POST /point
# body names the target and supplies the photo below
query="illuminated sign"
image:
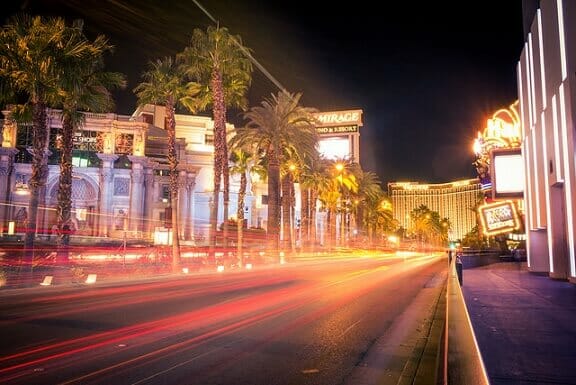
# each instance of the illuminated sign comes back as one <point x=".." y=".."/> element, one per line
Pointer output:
<point x="336" y="130"/>
<point x="334" y="148"/>
<point x="498" y="218"/>
<point x="507" y="170"/>
<point x="502" y="130"/>
<point x="339" y="118"/>
<point x="417" y="187"/>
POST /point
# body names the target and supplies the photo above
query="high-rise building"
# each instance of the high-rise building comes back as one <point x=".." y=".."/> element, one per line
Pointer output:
<point x="455" y="201"/>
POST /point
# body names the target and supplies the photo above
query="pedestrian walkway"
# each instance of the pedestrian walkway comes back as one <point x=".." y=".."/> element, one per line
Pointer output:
<point x="525" y="324"/>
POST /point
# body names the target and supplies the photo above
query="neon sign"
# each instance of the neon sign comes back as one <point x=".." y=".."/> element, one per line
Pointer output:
<point x="337" y="118"/>
<point x="498" y="218"/>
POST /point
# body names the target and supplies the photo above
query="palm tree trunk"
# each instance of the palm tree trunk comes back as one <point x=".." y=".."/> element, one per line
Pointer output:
<point x="173" y="161"/>
<point x="38" y="177"/>
<point x="220" y="151"/>
<point x="331" y="228"/>
<point x="240" y="215"/>
<point x="226" y="192"/>
<point x="292" y="214"/>
<point x="175" y="235"/>
<point x="313" y="232"/>
<point x="65" y="189"/>
<point x="285" y="212"/>
<point x="273" y="201"/>
<point x="304" y="217"/>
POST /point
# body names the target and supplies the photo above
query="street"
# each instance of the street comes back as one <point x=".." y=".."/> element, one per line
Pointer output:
<point x="301" y="323"/>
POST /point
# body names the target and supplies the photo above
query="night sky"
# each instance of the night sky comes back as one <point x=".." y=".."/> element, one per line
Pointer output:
<point x="426" y="74"/>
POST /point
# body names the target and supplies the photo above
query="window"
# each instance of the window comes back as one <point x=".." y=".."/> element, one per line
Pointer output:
<point x="165" y="195"/>
<point x="148" y="118"/>
<point x="123" y="162"/>
<point x="124" y="144"/>
<point x="85" y="159"/>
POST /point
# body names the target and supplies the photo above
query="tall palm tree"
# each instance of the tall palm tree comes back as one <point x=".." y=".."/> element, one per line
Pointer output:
<point x="277" y="124"/>
<point x="217" y="60"/>
<point x="334" y="194"/>
<point x="369" y="190"/>
<point x="34" y="54"/>
<point x="164" y="85"/>
<point x="85" y="86"/>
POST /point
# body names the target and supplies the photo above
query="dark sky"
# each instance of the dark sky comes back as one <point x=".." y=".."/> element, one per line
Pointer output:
<point x="427" y="74"/>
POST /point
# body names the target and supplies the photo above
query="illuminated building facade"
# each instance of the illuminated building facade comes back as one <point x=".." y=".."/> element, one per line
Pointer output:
<point x="547" y="93"/>
<point x="120" y="175"/>
<point x="455" y="201"/>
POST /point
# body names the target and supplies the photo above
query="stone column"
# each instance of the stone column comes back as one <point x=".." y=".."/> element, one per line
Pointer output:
<point x="137" y="194"/>
<point x="149" y="202"/>
<point x="182" y="203"/>
<point x="189" y="224"/>
<point x="107" y="191"/>
<point x="6" y="166"/>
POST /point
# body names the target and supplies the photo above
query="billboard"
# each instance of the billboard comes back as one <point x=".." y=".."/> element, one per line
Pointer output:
<point x="507" y="170"/>
<point x="334" y="148"/>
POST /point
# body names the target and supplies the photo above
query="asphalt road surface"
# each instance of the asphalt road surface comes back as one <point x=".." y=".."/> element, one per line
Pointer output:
<point x="298" y="323"/>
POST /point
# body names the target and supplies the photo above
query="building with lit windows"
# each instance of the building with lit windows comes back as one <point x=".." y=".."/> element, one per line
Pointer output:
<point x="120" y="174"/>
<point x="546" y="75"/>
<point x="455" y="201"/>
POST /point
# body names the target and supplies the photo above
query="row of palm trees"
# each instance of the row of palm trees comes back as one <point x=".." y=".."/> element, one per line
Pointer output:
<point x="428" y="227"/>
<point x="45" y="63"/>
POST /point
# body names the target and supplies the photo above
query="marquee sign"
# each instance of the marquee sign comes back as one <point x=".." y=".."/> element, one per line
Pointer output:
<point x="339" y="118"/>
<point x="499" y="217"/>
<point x="336" y="130"/>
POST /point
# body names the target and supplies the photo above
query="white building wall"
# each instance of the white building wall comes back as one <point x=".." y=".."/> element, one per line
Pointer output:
<point x="546" y="82"/>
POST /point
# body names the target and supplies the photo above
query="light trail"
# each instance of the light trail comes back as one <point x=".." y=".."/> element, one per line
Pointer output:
<point x="210" y="322"/>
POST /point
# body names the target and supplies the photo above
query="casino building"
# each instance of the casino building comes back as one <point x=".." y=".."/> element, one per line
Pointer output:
<point x="455" y="201"/>
<point x="120" y="175"/>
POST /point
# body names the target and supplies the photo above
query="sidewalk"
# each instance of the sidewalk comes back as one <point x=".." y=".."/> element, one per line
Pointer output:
<point x="525" y="324"/>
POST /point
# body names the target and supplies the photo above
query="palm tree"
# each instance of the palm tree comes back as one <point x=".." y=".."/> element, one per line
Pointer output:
<point x="34" y="57"/>
<point x="217" y="60"/>
<point x="164" y="84"/>
<point x="242" y="162"/>
<point x="84" y="86"/>
<point x="313" y="180"/>
<point x="279" y="123"/>
<point x="369" y="190"/>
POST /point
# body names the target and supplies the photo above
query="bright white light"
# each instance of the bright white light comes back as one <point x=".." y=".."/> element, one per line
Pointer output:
<point x="91" y="279"/>
<point x="334" y="148"/>
<point x="509" y="172"/>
